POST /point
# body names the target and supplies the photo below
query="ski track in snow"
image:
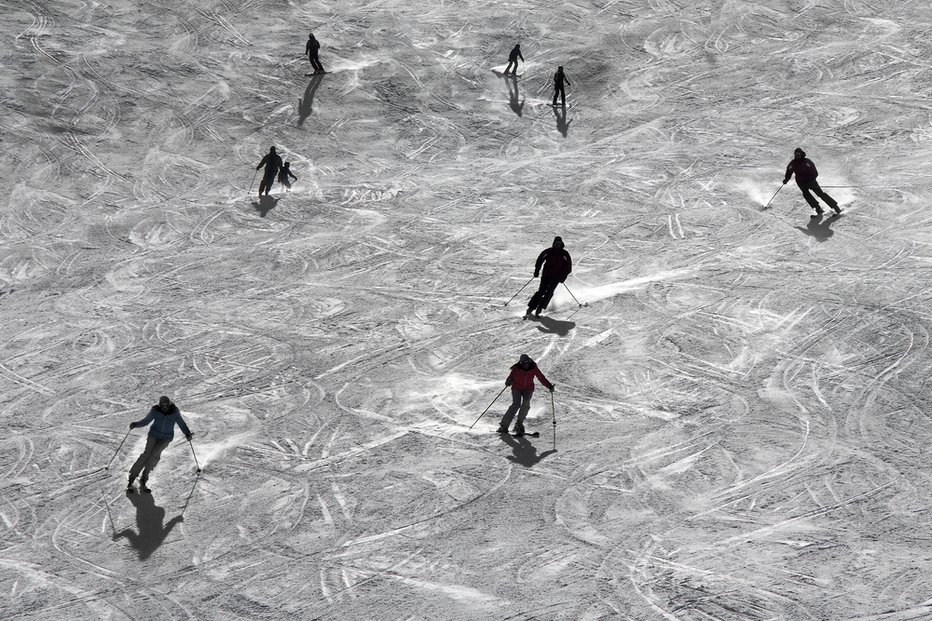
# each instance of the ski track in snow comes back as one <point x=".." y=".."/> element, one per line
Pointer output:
<point x="741" y="424"/>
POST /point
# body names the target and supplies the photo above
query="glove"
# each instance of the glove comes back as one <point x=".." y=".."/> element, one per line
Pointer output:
<point x="784" y="181"/>
<point x="508" y="382"/>
<point x="552" y="387"/>
<point x="536" y="274"/>
<point x="189" y="436"/>
<point x="132" y="425"/>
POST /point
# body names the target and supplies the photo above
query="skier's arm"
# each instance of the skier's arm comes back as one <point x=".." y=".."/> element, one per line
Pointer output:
<point x="542" y="379"/>
<point x="145" y="421"/>
<point x="569" y="266"/>
<point x="510" y="379"/>
<point x="184" y="426"/>
<point x="262" y="163"/>
<point x="540" y="261"/>
<point x="789" y="172"/>
<point x="520" y="56"/>
<point x="292" y="175"/>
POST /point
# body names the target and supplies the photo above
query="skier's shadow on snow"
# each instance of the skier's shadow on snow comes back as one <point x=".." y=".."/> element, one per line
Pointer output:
<point x="548" y="325"/>
<point x="151" y="533"/>
<point x="562" y="125"/>
<point x="306" y="104"/>
<point x="517" y="104"/>
<point x="524" y="452"/>
<point x="819" y="228"/>
<point x="265" y="204"/>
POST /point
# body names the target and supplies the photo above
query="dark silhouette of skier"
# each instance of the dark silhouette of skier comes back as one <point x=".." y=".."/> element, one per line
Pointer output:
<point x="162" y="418"/>
<point x="311" y="49"/>
<point x="559" y="78"/>
<point x="521" y="379"/>
<point x="806" y="174"/>
<point x="306" y="103"/>
<point x="557" y="265"/>
<point x="284" y="174"/>
<point x="149" y="519"/>
<point x="562" y="125"/>
<point x="513" y="94"/>
<point x="272" y="163"/>
<point x="513" y="57"/>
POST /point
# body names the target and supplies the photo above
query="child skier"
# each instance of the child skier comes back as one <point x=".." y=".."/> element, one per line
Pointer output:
<point x="521" y="380"/>
<point x="283" y="175"/>
<point x="163" y="418"/>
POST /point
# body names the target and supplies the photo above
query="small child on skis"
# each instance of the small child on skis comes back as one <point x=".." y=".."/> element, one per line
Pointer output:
<point x="283" y="175"/>
<point x="521" y="380"/>
<point x="163" y="418"/>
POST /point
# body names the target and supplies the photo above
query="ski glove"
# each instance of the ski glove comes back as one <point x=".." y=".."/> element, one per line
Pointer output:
<point x="536" y="274"/>
<point x="552" y="387"/>
<point x="508" y="382"/>
<point x="189" y="436"/>
<point x="132" y="425"/>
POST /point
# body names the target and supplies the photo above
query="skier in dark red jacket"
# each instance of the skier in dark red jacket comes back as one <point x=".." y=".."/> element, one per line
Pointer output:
<point x="521" y="380"/>
<point x="557" y="265"/>
<point x="806" y="175"/>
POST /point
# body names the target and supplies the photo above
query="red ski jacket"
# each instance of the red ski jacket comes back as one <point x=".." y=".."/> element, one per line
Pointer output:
<point x="523" y="380"/>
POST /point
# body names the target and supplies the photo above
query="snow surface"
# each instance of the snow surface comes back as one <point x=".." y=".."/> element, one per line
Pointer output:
<point x="742" y="408"/>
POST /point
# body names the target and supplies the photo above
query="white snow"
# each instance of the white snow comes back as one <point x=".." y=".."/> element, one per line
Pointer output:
<point x="742" y="427"/>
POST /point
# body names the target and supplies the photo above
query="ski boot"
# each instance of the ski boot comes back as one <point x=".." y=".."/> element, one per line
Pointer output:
<point x="142" y="485"/>
<point x="129" y="486"/>
<point x="502" y="429"/>
<point x="519" y="431"/>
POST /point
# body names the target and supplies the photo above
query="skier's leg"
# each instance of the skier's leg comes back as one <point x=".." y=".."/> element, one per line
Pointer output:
<point x="140" y="462"/>
<point x="810" y="198"/>
<point x="154" y="456"/>
<point x="535" y="299"/>
<point x="831" y="202"/>
<point x="547" y="287"/>
<point x="510" y="412"/>
<point x="508" y="68"/>
<point x="523" y="410"/>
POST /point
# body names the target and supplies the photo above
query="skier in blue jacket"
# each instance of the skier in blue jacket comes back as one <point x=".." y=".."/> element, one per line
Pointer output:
<point x="163" y="418"/>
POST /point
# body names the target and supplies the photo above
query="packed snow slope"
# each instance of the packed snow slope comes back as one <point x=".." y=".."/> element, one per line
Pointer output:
<point x="742" y="403"/>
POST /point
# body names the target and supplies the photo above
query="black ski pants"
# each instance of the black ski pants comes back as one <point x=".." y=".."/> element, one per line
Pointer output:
<point x="149" y="459"/>
<point x="267" y="180"/>
<point x="812" y="187"/>
<point x="548" y="284"/>
<point x="315" y="62"/>
<point x="559" y="91"/>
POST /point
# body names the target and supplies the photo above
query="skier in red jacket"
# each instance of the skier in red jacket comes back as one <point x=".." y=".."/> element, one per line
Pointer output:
<point x="806" y="174"/>
<point x="521" y="380"/>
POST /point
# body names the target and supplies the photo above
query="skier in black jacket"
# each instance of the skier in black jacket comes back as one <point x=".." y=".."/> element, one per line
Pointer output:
<point x="272" y="162"/>
<point x="559" y="78"/>
<point x="806" y="174"/>
<point x="553" y="265"/>
<point x="513" y="57"/>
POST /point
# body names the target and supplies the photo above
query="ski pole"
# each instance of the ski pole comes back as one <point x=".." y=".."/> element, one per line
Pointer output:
<point x="107" y="467"/>
<point x="519" y="291"/>
<point x="253" y="180"/>
<point x="553" y="410"/>
<point x="195" y="455"/>
<point x="487" y="409"/>
<point x="773" y="197"/>
<point x="571" y="295"/>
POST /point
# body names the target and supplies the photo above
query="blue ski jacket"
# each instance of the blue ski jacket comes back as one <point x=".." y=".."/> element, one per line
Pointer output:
<point x="163" y="425"/>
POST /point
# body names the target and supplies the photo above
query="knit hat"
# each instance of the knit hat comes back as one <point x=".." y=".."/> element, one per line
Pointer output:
<point x="558" y="241"/>
<point x="799" y="152"/>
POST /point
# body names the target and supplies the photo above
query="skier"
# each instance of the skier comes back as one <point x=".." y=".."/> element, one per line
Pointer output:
<point x="513" y="57"/>
<point x="806" y="174"/>
<point x="557" y="265"/>
<point x="283" y="175"/>
<point x="558" y="79"/>
<point x="311" y="49"/>
<point x="521" y="380"/>
<point x="163" y="418"/>
<point x="272" y="163"/>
